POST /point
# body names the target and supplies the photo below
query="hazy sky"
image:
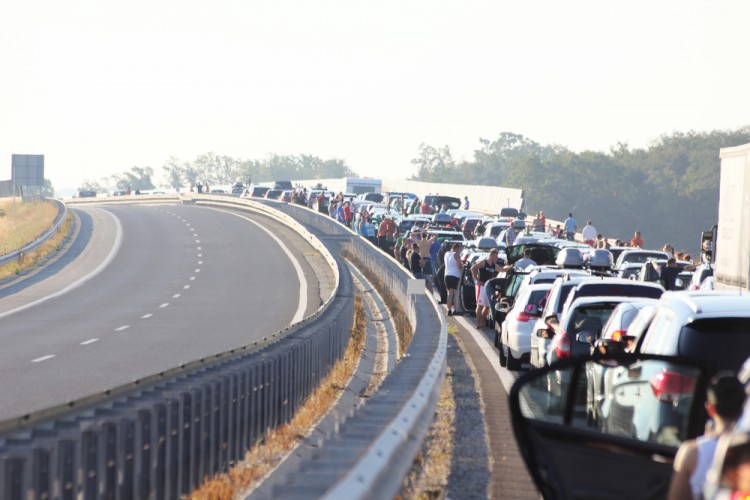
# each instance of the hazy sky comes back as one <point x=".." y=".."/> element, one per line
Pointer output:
<point x="100" y="86"/>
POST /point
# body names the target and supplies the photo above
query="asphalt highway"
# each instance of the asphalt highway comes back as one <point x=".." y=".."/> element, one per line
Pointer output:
<point x="142" y="289"/>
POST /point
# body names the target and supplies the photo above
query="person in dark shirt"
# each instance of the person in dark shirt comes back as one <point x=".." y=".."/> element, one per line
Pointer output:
<point x="668" y="273"/>
<point x="416" y="262"/>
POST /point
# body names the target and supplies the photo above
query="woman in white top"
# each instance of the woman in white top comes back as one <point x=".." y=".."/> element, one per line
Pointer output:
<point x="452" y="278"/>
<point x="725" y="397"/>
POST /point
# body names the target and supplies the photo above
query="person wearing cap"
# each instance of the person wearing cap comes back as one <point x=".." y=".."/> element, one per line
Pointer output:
<point x="725" y="397"/>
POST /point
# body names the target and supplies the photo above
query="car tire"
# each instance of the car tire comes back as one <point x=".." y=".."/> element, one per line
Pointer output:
<point x="512" y="363"/>
<point x="503" y="359"/>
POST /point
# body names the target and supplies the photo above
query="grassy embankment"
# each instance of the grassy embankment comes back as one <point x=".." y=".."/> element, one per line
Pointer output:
<point x="22" y="224"/>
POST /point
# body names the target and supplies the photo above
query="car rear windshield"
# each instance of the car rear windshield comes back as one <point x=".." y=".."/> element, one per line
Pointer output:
<point x="619" y="289"/>
<point x="723" y="341"/>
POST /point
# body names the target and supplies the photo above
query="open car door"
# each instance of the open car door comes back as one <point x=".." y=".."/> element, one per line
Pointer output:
<point x="571" y="456"/>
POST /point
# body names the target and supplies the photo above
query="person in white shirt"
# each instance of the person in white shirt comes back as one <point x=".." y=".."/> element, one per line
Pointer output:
<point x="523" y="263"/>
<point x="452" y="278"/>
<point x="724" y="401"/>
<point x="589" y="234"/>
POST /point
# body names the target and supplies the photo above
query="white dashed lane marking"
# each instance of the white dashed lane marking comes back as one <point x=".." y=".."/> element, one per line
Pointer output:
<point x="89" y="341"/>
<point x="192" y="278"/>
<point x="186" y="287"/>
<point x="43" y="358"/>
<point x="176" y="296"/>
<point x="146" y="316"/>
<point x="121" y="328"/>
<point x="162" y="306"/>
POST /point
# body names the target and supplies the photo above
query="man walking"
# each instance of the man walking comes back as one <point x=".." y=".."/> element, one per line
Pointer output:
<point x="570" y="227"/>
<point x="589" y="234"/>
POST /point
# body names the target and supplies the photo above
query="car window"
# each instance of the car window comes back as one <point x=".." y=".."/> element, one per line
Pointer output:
<point x="537" y="297"/>
<point x="564" y="292"/>
<point x="724" y="341"/>
<point x="589" y="318"/>
<point x="660" y="338"/>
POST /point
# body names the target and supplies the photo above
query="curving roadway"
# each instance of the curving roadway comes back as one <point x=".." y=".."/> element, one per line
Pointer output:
<point x="142" y="289"/>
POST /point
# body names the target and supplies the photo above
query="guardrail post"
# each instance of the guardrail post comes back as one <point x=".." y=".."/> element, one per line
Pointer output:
<point x="107" y="465"/>
<point x="143" y="452"/>
<point x="41" y="469"/>
<point x="89" y="467"/>
<point x="184" y="434"/>
<point x="159" y="444"/>
<point x="126" y="447"/>
<point x="13" y="479"/>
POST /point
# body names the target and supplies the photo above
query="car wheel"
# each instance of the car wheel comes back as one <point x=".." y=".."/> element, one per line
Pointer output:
<point x="503" y="359"/>
<point x="513" y="363"/>
<point x="497" y="339"/>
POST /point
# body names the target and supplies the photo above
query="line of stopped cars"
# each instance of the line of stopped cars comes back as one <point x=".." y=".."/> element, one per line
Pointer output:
<point x="619" y="366"/>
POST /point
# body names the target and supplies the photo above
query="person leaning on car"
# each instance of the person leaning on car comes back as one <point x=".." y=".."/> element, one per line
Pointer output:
<point x="483" y="271"/>
<point x="668" y="273"/>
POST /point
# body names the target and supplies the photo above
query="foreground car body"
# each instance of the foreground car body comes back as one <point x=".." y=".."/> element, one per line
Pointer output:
<point x="569" y="458"/>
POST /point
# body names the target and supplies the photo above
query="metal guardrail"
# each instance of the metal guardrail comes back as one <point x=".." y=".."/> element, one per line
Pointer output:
<point x="161" y="437"/>
<point x="62" y="212"/>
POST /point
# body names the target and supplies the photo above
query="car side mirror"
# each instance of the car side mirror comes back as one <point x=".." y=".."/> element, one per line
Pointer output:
<point x="543" y="334"/>
<point x="502" y="307"/>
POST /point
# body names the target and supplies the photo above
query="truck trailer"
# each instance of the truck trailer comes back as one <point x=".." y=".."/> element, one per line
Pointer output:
<point x="732" y="246"/>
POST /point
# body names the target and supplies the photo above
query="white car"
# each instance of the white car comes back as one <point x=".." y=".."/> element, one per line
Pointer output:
<point x="515" y="334"/>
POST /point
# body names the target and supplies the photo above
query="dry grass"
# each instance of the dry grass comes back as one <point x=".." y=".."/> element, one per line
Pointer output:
<point x="429" y="475"/>
<point x="31" y="259"/>
<point x="25" y="223"/>
<point x="281" y="441"/>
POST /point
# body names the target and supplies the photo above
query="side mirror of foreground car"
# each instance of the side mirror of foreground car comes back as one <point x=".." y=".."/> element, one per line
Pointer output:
<point x="592" y="411"/>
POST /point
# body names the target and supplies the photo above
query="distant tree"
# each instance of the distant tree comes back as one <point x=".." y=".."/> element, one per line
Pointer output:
<point x="434" y="164"/>
<point x="174" y="173"/>
<point x="92" y="185"/>
<point x="137" y="178"/>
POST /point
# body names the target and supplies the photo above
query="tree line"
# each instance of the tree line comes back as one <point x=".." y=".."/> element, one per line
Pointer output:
<point x="669" y="190"/>
<point x="221" y="170"/>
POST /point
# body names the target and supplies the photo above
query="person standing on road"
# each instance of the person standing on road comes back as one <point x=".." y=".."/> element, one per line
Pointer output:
<point x="571" y="227"/>
<point x="725" y="398"/>
<point x="482" y="272"/>
<point x="466" y="202"/>
<point x="425" y="209"/>
<point x="452" y="278"/>
<point x="589" y="234"/>
<point x="637" y="241"/>
<point x="416" y="262"/>
<point x="424" y="243"/>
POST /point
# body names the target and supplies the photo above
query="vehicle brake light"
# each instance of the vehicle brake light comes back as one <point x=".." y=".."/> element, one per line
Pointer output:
<point x="523" y="317"/>
<point x="670" y="386"/>
<point x="562" y="347"/>
<point x="617" y="335"/>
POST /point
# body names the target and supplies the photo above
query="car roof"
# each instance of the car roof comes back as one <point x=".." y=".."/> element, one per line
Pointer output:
<point x="709" y="303"/>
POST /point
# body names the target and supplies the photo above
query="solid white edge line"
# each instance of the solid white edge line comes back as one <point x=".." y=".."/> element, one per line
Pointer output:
<point x="506" y="377"/>
<point x="81" y="281"/>
<point x="299" y="315"/>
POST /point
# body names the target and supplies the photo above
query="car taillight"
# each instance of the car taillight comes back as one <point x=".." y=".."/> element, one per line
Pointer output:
<point x="670" y="386"/>
<point x="617" y="335"/>
<point x="562" y="347"/>
<point x="523" y="317"/>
